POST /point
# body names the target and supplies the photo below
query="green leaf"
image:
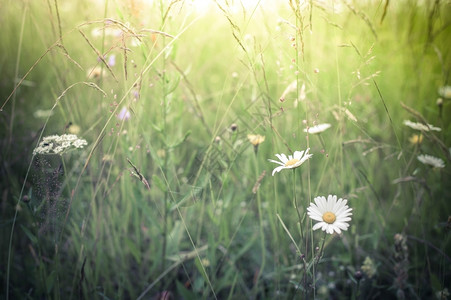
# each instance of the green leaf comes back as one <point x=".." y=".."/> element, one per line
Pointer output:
<point x="133" y="249"/>
<point x="176" y="144"/>
<point x="159" y="183"/>
<point x="50" y="281"/>
<point x="193" y="195"/>
<point x="31" y="236"/>
<point x="156" y="127"/>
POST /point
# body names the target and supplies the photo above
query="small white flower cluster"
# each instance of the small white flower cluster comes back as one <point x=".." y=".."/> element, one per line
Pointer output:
<point x="55" y="144"/>
<point x="421" y="126"/>
<point x="433" y="161"/>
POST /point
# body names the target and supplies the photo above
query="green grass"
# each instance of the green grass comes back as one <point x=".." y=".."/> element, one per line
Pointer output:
<point x="173" y="202"/>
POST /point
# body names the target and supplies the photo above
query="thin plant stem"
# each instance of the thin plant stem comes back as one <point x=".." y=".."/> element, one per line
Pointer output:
<point x="320" y="254"/>
<point x="16" y="75"/>
<point x="8" y="268"/>
<point x="262" y="233"/>
<point x="316" y="261"/>
<point x="301" y="231"/>
<point x="296" y="205"/>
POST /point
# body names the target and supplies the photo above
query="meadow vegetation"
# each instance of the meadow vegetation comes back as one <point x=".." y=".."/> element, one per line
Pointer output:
<point x="136" y="138"/>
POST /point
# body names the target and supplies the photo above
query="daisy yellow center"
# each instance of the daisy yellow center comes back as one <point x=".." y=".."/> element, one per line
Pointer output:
<point x="291" y="162"/>
<point x="329" y="217"/>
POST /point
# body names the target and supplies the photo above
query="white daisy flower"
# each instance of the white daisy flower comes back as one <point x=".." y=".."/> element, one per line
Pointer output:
<point x="292" y="161"/>
<point x="317" y="128"/>
<point x="445" y="91"/>
<point x="431" y="160"/>
<point x="332" y="215"/>
<point x="42" y="114"/>
<point x="421" y="126"/>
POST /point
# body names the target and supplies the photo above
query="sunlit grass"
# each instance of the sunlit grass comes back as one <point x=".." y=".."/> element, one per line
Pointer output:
<point x="181" y="106"/>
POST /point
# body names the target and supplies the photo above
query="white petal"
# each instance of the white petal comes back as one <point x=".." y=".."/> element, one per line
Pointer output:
<point x="343" y="219"/>
<point x="337" y="229"/>
<point x="330" y="230"/>
<point x="343" y="210"/>
<point x="331" y="203"/>
<point x="298" y="154"/>
<point x="278" y="169"/>
<point x="317" y="226"/>
<point x="314" y="209"/>
<point x="337" y="206"/>
<point x="340" y="216"/>
<point x="316" y="217"/>
<point x="321" y="203"/>
<point x="342" y="225"/>
<point x="277" y="162"/>
<point x="282" y="157"/>
<point x="305" y="158"/>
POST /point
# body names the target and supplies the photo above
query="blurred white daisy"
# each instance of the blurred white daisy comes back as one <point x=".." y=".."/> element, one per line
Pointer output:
<point x="431" y="160"/>
<point x="445" y="91"/>
<point x="420" y="126"/>
<point x="317" y="128"/>
<point x="292" y="161"/>
<point x="41" y="114"/>
<point x="332" y="215"/>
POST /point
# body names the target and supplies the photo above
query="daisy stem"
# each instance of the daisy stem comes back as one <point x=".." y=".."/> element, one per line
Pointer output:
<point x="296" y="205"/>
<point x="320" y="254"/>
<point x="315" y="263"/>
<point x="260" y="220"/>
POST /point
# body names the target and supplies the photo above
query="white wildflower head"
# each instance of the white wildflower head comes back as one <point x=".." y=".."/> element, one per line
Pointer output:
<point x="421" y="126"/>
<point x="42" y="114"/>
<point x="292" y="161"/>
<point x="445" y="91"/>
<point x="317" y="128"/>
<point x="55" y="144"/>
<point x="332" y="214"/>
<point x="431" y="160"/>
